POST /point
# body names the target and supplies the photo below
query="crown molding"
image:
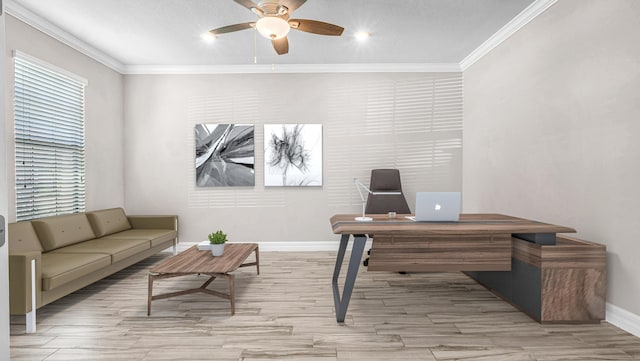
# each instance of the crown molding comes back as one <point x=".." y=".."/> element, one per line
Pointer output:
<point x="293" y="68"/>
<point x="528" y="14"/>
<point x="23" y="14"/>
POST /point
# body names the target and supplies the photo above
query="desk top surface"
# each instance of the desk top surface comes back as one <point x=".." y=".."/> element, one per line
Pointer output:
<point x="468" y="224"/>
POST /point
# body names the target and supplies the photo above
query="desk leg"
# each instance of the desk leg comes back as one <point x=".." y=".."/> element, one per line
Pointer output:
<point x="342" y="303"/>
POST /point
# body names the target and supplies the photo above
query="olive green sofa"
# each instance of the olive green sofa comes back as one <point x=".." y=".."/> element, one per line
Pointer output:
<point x="52" y="257"/>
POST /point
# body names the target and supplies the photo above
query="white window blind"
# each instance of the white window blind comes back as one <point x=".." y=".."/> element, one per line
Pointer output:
<point x="49" y="140"/>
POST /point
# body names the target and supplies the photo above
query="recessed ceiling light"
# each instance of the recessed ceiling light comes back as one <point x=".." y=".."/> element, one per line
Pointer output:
<point x="362" y="35"/>
<point x="208" y="37"/>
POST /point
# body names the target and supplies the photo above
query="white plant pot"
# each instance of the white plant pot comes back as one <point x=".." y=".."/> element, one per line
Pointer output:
<point x="217" y="249"/>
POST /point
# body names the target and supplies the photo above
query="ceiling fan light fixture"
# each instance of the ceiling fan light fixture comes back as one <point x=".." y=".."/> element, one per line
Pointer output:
<point x="281" y="10"/>
<point x="272" y="27"/>
<point x="257" y="11"/>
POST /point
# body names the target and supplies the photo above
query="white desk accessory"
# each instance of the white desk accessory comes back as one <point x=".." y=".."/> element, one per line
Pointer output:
<point x="360" y="187"/>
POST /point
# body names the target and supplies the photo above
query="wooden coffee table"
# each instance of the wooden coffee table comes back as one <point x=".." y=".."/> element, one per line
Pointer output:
<point x="193" y="261"/>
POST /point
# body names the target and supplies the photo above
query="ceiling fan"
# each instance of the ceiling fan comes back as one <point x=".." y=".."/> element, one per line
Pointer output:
<point x="275" y="22"/>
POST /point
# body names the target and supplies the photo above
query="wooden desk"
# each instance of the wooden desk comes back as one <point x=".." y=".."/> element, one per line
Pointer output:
<point x="478" y="242"/>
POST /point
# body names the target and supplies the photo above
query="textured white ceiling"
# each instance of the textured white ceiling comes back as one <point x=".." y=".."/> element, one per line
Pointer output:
<point x="167" y="32"/>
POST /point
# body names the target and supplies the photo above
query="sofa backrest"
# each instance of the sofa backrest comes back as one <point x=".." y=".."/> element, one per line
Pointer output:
<point x="23" y="238"/>
<point x="59" y="231"/>
<point x="108" y="221"/>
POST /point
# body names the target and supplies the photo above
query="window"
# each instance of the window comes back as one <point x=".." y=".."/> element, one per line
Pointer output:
<point x="49" y="139"/>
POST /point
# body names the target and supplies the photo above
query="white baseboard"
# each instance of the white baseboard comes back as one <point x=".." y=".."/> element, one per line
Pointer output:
<point x="304" y="246"/>
<point x="623" y="319"/>
<point x="294" y="246"/>
<point x="298" y="246"/>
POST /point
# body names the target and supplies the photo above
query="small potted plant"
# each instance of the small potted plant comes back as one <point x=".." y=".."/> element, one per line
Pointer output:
<point x="217" y="241"/>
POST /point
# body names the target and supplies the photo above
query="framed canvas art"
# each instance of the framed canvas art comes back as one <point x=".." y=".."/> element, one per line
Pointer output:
<point x="225" y="155"/>
<point x="293" y="155"/>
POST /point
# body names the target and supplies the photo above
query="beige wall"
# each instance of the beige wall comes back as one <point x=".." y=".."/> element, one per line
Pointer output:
<point x="103" y="130"/>
<point x="551" y="130"/>
<point x="103" y="112"/>
<point x="408" y="121"/>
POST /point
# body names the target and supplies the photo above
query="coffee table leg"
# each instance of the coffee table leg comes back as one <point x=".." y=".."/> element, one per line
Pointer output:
<point x="232" y="294"/>
<point x="257" y="259"/>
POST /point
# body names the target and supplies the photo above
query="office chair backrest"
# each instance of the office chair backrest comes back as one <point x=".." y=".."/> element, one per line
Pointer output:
<point x="386" y="180"/>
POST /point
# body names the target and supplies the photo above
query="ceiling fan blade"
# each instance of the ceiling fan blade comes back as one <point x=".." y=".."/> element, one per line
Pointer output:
<point x="292" y="4"/>
<point x="316" y="27"/>
<point x="281" y="45"/>
<point x="251" y="6"/>
<point x="247" y="3"/>
<point x="232" y="28"/>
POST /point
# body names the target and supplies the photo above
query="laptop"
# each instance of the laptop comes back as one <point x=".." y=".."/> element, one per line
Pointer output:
<point x="437" y="207"/>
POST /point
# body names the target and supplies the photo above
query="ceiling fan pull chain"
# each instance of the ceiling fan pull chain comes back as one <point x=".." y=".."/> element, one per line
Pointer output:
<point x="255" y="41"/>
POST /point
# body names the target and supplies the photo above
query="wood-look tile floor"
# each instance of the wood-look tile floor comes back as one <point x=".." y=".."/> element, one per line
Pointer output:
<point x="286" y="313"/>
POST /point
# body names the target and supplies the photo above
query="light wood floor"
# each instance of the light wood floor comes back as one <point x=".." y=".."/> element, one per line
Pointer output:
<point x="287" y="313"/>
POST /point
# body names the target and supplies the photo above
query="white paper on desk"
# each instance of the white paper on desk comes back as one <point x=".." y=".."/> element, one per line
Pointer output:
<point x="204" y="246"/>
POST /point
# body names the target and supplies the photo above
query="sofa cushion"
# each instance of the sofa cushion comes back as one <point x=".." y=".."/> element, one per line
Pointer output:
<point x="108" y="221"/>
<point x="59" y="231"/>
<point x="118" y="249"/>
<point x="23" y="238"/>
<point x="153" y="236"/>
<point x="61" y="268"/>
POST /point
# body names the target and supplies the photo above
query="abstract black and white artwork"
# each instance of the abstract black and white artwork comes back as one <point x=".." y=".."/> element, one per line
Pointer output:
<point x="293" y="155"/>
<point x="225" y="155"/>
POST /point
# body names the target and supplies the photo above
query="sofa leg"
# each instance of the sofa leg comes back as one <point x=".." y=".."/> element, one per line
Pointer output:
<point x="175" y="248"/>
<point x="31" y="322"/>
<point x="31" y="316"/>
